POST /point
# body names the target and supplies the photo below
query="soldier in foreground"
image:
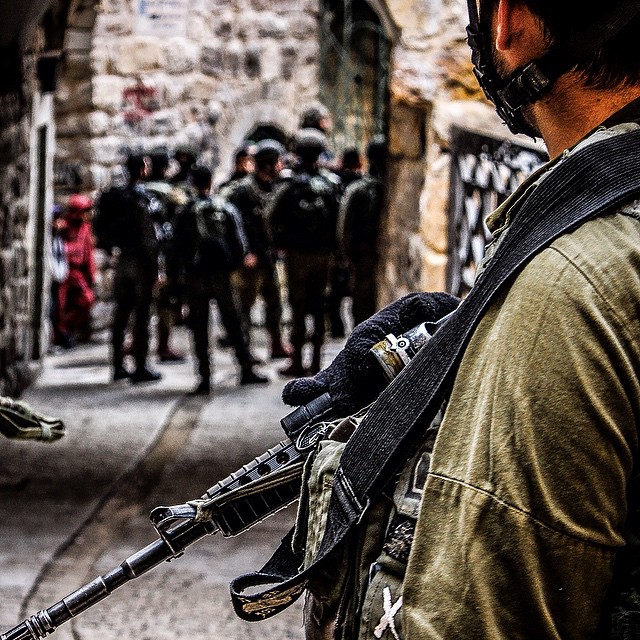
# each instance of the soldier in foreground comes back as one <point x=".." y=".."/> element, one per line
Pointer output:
<point x="522" y="520"/>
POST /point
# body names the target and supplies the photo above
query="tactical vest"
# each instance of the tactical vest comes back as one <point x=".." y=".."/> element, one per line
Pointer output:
<point x="310" y="222"/>
<point x="217" y="246"/>
<point x="252" y="202"/>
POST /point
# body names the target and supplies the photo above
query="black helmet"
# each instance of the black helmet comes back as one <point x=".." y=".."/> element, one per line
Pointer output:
<point x="159" y="157"/>
<point x="313" y="116"/>
<point x="187" y="151"/>
<point x="268" y="150"/>
<point x="309" y="143"/>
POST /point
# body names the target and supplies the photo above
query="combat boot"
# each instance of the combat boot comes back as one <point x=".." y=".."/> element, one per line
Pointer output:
<point x="316" y="360"/>
<point x="145" y="375"/>
<point x="295" y="368"/>
<point x="249" y="376"/>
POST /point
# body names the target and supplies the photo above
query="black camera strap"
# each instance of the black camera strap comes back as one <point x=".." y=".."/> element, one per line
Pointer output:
<point x="589" y="182"/>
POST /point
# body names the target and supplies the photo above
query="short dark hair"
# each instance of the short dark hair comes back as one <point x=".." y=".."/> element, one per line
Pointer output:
<point x="613" y="64"/>
<point x="377" y="152"/>
<point x="351" y="158"/>
<point x="159" y="164"/>
<point x="135" y="163"/>
<point x="201" y="177"/>
<point x="241" y="153"/>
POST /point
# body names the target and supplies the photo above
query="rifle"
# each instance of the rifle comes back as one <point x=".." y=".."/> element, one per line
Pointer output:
<point x="267" y="484"/>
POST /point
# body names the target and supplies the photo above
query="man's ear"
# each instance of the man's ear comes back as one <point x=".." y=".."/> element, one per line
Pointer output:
<point x="507" y="24"/>
<point x="519" y="32"/>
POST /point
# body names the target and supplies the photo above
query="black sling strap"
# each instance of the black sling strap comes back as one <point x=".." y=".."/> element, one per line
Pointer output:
<point x="590" y="182"/>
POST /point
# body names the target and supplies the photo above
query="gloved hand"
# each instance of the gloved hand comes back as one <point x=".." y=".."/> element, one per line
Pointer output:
<point x="354" y="379"/>
<point x="19" y="420"/>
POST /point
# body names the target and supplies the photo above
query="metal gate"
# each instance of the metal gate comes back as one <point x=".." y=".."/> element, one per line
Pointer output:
<point x="354" y="71"/>
<point x="484" y="171"/>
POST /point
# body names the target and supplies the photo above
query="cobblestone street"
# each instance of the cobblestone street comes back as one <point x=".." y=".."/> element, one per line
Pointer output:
<point x="76" y="508"/>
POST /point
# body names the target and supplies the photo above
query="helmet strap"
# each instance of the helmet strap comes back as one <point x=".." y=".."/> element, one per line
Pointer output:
<point x="529" y="83"/>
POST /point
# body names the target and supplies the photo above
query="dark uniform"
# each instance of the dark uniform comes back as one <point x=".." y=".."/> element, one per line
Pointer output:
<point x="251" y="197"/>
<point x="303" y="222"/>
<point x="358" y="232"/>
<point x="208" y="247"/>
<point x="135" y="276"/>
<point x="169" y="198"/>
<point x="339" y="271"/>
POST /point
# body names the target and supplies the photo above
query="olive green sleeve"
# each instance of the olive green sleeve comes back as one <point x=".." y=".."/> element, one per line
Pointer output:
<point x="525" y="501"/>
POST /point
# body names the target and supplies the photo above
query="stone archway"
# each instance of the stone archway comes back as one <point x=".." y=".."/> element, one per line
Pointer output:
<point x="266" y="130"/>
<point x="238" y="125"/>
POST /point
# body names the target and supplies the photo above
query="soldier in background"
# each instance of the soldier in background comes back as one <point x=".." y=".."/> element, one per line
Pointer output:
<point x="168" y="199"/>
<point x="251" y="196"/>
<point x="185" y="155"/>
<point x="243" y="165"/>
<point x="208" y="247"/>
<point x="359" y="230"/>
<point x="317" y="116"/>
<point x="126" y="214"/>
<point x="303" y="222"/>
<point x="350" y="166"/>
<point x="349" y="170"/>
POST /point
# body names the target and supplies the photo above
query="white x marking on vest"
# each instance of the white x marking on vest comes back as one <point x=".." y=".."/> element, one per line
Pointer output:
<point x="388" y="618"/>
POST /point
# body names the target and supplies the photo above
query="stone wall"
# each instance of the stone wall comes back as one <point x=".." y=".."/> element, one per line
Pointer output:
<point x="205" y="73"/>
<point x="16" y="92"/>
<point x="432" y="87"/>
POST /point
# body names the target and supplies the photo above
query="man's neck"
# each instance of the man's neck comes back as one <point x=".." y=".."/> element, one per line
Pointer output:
<point x="571" y="110"/>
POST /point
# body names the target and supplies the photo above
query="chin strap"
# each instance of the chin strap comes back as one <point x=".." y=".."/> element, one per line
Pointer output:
<point x="531" y="82"/>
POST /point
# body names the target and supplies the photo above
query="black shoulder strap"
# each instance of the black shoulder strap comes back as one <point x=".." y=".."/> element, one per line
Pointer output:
<point x="590" y="182"/>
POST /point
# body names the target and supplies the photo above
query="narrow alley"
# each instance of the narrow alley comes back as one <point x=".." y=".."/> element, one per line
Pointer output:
<point x="78" y="507"/>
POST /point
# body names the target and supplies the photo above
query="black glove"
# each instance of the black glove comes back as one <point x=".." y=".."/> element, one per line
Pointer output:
<point x="354" y="378"/>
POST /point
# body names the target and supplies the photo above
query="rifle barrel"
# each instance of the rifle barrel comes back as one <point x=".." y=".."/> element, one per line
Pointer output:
<point x="170" y="546"/>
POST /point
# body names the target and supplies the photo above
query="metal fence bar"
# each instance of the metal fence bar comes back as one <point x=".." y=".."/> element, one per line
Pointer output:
<point x="484" y="171"/>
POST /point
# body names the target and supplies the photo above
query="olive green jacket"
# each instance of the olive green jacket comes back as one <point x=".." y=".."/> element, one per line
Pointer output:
<point x="525" y="500"/>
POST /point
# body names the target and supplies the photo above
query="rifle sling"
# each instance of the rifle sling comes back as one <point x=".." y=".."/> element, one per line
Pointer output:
<point x="590" y="182"/>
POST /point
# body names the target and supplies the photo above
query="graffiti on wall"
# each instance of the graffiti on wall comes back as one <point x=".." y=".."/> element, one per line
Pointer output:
<point x="140" y="101"/>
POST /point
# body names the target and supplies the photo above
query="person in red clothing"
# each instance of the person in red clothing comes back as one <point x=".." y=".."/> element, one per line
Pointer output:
<point x="76" y="292"/>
